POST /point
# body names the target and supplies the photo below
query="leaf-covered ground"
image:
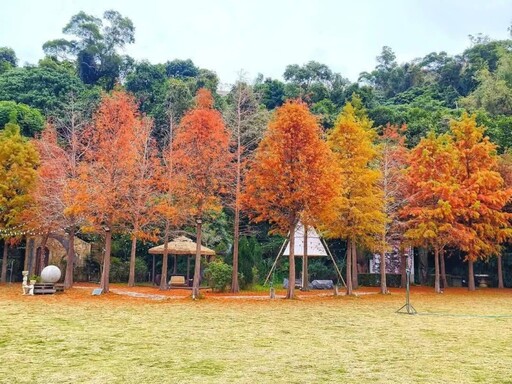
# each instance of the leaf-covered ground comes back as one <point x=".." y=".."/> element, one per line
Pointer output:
<point x="73" y="337"/>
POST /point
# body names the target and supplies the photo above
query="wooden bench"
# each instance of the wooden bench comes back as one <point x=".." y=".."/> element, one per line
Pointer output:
<point x="178" y="281"/>
<point x="44" y="288"/>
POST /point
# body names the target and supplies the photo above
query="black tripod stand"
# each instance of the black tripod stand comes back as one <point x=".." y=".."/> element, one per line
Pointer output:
<point x="407" y="307"/>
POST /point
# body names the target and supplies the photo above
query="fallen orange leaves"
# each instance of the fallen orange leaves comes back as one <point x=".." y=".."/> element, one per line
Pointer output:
<point x="81" y="295"/>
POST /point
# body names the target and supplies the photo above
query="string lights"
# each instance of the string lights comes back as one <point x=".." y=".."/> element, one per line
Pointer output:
<point x="19" y="230"/>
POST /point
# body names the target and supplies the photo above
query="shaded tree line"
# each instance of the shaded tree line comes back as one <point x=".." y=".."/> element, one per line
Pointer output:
<point x="124" y="130"/>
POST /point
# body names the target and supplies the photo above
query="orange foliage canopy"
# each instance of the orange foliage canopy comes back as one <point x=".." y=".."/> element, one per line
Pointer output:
<point x="430" y="183"/>
<point x="482" y="224"/>
<point x="110" y="169"/>
<point x="202" y="165"/>
<point x="202" y="161"/>
<point x="292" y="176"/>
<point x="393" y="162"/>
<point x="47" y="211"/>
<point x="357" y="214"/>
<point x="141" y="208"/>
<point x="108" y="174"/>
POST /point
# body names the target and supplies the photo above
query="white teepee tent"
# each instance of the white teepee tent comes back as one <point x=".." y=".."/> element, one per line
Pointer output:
<point x="316" y="247"/>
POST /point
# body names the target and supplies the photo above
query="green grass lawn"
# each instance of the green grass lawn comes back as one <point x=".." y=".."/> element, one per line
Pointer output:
<point x="457" y="337"/>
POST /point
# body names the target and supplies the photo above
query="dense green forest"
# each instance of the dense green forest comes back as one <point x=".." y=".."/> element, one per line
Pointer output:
<point x="425" y="94"/>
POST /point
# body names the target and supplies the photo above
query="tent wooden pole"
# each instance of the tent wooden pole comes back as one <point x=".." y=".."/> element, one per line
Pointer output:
<point x="277" y="258"/>
<point x="153" y="270"/>
<point x="333" y="261"/>
<point x="188" y="268"/>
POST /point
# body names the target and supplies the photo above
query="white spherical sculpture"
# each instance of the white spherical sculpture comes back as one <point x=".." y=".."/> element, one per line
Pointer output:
<point x="50" y="274"/>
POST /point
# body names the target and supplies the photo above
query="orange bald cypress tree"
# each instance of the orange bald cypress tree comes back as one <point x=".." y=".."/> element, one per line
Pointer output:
<point x="141" y="196"/>
<point x="62" y="148"/>
<point x="45" y="214"/>
<point x="357" y="213"/>
<point x="292" y="175"/>
<point x="202" y="166"/>
<point x="429" y="213"/>
<point x="505" y="170"/>
<point x="482" y="224"/>
<point x="392" y="162"/>
<point x="108" y="174"/>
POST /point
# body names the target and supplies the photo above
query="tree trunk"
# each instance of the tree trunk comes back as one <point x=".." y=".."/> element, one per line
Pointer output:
<point x="236" y="238"/>
<point x="471" y="276"/>
<point x="70" y="259"/>
<point x="165" y="257"/>
<point x="105" y="276"/>
<point x="27" y="253"/>
<point x="153" y="266"/>
<point x="437" y="286"/>
<point x="197" y="266"/>
<point x="305" y="274"/>
<point x="403" y="267"/>
<point x="131" y="277"/>
<point x="423" y="259"/>
<point x="355" y="280"/>
<point x="290" y="294"/>
<point x="383" y="285"/>
<point x="31" y="258"/>
<point x="349" y="267"/>
<point x="500" y="272"/>
<point x="443" y="269"/>
<point x="44" y="241"/>
<point x="3" y="277"/>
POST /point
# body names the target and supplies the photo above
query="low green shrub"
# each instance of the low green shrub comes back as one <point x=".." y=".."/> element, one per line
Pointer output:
<point x="218" y="275"/>
<point x="119" y="270"/>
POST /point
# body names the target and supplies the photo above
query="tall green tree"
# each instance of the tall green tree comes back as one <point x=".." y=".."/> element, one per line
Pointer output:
<point x="8" y="59"/>
<point x="30" y="120"/>
<point x="271" y="90"/>
<point x="44" y="88"/>
<point x="494" y="92"/>
<point x="164" y="98"/>
<point x="313" y="79"/>
<point x="95" y="47"/>
<point x="181" y="69"/>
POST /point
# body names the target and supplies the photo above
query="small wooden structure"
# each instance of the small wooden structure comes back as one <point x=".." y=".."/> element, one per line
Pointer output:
<point x="178" y="281"/>
<point x="44" y="288"/>
<point x="181" y="246"/>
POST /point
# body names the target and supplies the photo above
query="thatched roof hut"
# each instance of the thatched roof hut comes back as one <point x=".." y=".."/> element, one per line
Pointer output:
<point x="181" y="246"/>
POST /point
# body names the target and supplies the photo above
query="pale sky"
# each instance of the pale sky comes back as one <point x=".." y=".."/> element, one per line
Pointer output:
<point x="264" y="36"/>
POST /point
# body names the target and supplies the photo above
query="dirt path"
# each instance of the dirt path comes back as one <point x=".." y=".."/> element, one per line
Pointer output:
<point x="144" y="293"/>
